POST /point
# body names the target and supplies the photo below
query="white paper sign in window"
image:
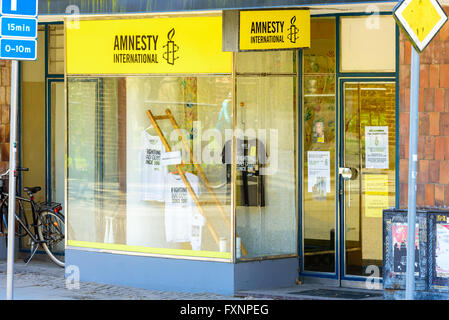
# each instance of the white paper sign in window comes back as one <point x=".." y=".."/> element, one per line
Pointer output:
<point x="171" y="158"/>
<point x="319" y="173"/>
<point x="376" y="148"/>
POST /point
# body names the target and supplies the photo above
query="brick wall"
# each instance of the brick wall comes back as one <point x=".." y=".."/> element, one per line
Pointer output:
<point x="433" y="141"/>
<point x="5" y="102"/>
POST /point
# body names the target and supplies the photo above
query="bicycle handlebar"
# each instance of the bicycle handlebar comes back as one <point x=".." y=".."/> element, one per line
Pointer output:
<point x="17" y="169"/>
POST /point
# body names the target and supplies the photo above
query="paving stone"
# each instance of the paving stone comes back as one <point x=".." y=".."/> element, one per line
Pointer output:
<point x="43" y="280"/>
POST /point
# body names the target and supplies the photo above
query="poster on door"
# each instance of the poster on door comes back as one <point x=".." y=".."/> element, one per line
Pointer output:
<point x="442" y="251"/>
<point x="376" y="194"/>
<point x="376" y="148"/>
<point x="319" y="173"/>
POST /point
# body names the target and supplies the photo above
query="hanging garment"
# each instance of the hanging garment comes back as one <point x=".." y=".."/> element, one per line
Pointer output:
<point x="198" y="223"/>
<point x="179" y="207"/>
<point x="250" y="156"/>
<point x="153" y="172"/>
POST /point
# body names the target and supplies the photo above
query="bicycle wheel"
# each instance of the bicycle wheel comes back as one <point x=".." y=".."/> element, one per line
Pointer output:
<point x="51" y="231"/>
<point x="20" y="231"/>
<point x="4" y="219"/>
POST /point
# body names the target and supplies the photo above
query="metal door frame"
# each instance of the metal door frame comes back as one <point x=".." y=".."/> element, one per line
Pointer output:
<point x="351" y="280"/>
<point x="336" y="278"/>
<point x="48" y="135"/>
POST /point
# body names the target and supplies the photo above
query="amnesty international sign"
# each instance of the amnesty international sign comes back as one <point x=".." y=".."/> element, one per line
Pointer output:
<point x="274" y="29"/>
<point x="148" y="45"/>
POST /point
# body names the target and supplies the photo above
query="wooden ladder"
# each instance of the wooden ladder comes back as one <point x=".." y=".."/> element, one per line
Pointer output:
<point x="169" y="116"/>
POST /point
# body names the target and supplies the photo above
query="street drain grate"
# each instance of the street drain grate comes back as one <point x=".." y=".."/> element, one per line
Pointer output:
<point x="339" y="294"/>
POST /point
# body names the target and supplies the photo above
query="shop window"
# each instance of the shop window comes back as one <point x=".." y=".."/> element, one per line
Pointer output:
<point x="125" y="190"/>
<point x="56" y="49"/>
<point x="368" y="44"/>
<point x="265" y="137"/>
<point x="319" y="147"/>
<point x="266" y="62"/>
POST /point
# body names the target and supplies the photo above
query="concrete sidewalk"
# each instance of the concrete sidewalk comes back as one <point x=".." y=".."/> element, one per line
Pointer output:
<point x="42" y="280"/>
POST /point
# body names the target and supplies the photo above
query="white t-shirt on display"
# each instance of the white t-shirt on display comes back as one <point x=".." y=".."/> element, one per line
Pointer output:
<point x="153" y="172"/>
<point x="198" y="223"/>
<point x="180" y="209"/>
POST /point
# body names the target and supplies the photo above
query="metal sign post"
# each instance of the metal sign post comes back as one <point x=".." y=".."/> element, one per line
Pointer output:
<point x="412" y="175"/>
<point x="12" y="182"/>
<point x="18" y="41"/>
<point x="421" y="21"/>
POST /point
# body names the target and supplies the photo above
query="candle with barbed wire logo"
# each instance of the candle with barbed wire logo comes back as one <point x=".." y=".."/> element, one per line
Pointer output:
<point x="172" y="48"/>
<point x="293" y="31"/>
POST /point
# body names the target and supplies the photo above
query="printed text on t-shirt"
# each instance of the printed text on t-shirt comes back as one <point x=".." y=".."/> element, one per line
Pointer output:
<point x="179" y="195"/>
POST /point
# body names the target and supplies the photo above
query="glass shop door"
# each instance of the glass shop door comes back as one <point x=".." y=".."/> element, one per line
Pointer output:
<point x="366" y="175"/>
<point x="348" y="161"/>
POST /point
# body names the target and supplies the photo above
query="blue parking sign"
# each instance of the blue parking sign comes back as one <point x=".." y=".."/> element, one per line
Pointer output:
<point x="19" y="7"/>
<point x="18" y="27"/>
<point x="18" y="49"/>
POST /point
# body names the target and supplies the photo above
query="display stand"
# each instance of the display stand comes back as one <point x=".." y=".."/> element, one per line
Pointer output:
<point x="169" y="116"/>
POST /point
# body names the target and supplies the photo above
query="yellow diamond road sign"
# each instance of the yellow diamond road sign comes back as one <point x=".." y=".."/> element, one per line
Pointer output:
<point x="420" y="19"/>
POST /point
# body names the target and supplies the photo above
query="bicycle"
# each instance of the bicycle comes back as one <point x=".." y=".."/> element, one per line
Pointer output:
<point x="47" y="226"/>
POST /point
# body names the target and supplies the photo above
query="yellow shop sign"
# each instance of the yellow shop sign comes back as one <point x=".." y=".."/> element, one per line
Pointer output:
<point x="148" y="45"/>
<point x="274" y="29"/>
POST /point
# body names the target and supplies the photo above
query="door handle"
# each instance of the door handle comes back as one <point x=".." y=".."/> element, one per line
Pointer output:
<point x="348" y="173"/>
